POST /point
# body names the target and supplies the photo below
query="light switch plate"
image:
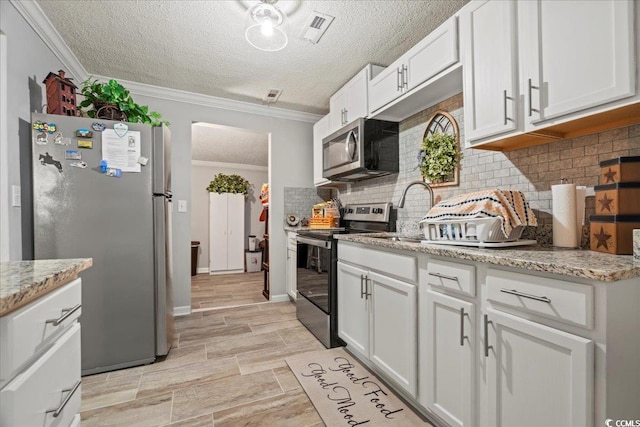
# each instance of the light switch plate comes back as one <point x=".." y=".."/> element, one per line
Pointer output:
<point x="182" y="205"/>
<point x="16" y="197"/>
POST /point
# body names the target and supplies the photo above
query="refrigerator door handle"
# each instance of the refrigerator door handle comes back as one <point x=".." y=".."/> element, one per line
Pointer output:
<point x="168" y="195"/>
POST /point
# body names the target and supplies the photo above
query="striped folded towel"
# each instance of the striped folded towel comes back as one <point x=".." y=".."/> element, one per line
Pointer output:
<point x="510" y="206"/>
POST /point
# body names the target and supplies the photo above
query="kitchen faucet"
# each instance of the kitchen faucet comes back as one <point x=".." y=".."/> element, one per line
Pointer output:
<point x="411" y="184"/>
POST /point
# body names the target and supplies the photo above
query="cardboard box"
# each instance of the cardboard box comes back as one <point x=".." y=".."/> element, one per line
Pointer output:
<point x="620" y="198"/>
<point x="613" y="234"/>
<point x="620" y="169"/>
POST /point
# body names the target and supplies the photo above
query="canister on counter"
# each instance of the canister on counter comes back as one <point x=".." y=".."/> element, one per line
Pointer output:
<point x="613" y="234"/>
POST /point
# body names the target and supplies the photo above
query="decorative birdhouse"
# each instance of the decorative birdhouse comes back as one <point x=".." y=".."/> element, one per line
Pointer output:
<point x="61" y="94"/>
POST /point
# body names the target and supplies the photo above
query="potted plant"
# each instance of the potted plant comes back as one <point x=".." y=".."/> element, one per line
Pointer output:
<point x="113" y="101"/>
<point x="234" y="184"/>
<point x="438" y="157"/>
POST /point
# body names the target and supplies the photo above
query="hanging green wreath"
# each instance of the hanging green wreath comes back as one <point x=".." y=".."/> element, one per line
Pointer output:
<point x="234" y="184"/>
<point x="438" y="156"/>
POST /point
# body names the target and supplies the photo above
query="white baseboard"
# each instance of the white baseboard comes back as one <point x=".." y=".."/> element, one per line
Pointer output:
<point x="213" y="273"/>
<point x="202" y="270"/>
<point x="280" y="298"/>
<point x="184" y="310"/>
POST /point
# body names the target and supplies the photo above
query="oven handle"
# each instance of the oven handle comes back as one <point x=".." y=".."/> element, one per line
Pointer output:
<point x="314" y="242"/>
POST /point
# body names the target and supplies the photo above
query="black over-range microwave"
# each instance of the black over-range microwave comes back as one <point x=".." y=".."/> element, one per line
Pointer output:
<point x="365" y="148"/>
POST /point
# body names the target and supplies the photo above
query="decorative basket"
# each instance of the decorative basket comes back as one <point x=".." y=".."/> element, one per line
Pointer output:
<point x="480" y="230"/>
<point x="108" y="111"/>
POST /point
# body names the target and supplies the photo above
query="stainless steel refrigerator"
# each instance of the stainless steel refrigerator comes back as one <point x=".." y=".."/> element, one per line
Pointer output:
<point x="123" y="223"/>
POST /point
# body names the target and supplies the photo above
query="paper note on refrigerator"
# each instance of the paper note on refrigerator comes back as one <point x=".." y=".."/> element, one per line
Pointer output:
<point x="121" y="152"/>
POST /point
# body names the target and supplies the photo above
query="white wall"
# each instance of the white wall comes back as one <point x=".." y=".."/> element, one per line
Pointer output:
<point x="201" y="174"/>
<point x="27" y="56"/>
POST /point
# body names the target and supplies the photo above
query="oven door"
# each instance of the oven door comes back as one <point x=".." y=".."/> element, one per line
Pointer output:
<point x="314" y="272"/>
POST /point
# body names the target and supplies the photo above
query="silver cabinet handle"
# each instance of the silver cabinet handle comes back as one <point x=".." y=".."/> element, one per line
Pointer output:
<point x="66" y="312"/>
<point x="505" y="106"/>
<point x="362" y="292"/>
<point x="462" y="336"/>
<point x="486" y="335"/>
<point x="531" y="109"/>
<point x="398" y="78"/>
<point x="405" y="77"/>
<point x="522" y="294"/>
<point x="444" y="276"/>
<point x="60" y="408"/>
<point x="367" y="294"/>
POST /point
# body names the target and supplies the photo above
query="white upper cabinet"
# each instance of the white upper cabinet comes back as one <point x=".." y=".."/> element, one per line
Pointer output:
<point x="433" y="54"/>
<point x="351" y="102"/>
<point x="575" y="55"/>
<point x="490" y="80"/>
<point x="320" y="130"/>
<point x="536" y="66"/>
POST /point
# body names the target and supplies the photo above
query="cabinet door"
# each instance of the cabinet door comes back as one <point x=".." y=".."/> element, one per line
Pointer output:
<point x="235" y="236"/>
<point x="394" y="329"/>
<point x="357" y="102"/>
<point x="537" y="375"/>
<point x="353" y="309"/>
<point x="574" y="67"/>
<point x="433" y="54"/>
<point x="292" y="259"/>
<point x="447" y="357"/>
<point x="337" y="105"/>
<point x="489" y="56"/>
<point x="320" y="130"/>
<point x="385" y="87"/>
<point x="217" y="232"/>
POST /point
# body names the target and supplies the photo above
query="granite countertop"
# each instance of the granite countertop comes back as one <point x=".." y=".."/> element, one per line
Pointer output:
<point x="569" y="262"/>
<point x="24" y="281"/>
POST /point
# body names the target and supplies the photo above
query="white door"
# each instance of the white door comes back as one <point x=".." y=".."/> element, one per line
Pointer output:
<point x="578" y="54"/>
<point x="433" y="54"/>
<point x="235" y="237"/>
<point x="337" y="105"/>
<point x="217" y="232"/>
<point x="357" y="101"/>
<point x="537" y="375"/>
<point x="448" y="357"/>
<point x="490" y="66"/>
<point x="385" y="87"/>
<point x="320" y="130"/>
<point x="353" y="308"/>
<point x="394" y="329"/>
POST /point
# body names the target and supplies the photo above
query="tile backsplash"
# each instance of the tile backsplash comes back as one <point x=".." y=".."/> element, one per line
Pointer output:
<point x="299" y="200"/>
<point x="531" y="170"/>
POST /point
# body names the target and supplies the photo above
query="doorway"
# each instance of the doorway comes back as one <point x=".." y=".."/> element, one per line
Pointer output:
<point x="219" y="149"/>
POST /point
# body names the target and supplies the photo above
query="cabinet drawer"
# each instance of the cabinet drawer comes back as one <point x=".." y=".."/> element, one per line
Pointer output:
<point x="566" y="302"/>
<point x="391" y="263"/>
<point x="45" y="386"/>
<point x="452" y="276"/>
<point x="33" y="327"/>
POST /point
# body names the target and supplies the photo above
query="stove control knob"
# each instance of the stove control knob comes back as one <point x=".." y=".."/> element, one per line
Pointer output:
<point x="378" y="210"/>
<point x="350" y="211"/>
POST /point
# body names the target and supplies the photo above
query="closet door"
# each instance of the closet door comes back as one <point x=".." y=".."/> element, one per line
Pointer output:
<point x="235" y="234"/>
<point x="217" y="232"/>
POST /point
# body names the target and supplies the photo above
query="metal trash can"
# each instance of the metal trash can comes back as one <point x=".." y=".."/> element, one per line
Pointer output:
<point x="194" y="257"/>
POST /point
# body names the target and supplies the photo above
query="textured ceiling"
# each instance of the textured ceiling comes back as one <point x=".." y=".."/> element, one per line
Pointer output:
<point x="226" y="144"/>
<point x="199" y="46"/>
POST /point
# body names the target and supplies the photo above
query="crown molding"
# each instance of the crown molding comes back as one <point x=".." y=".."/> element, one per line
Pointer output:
<point x="35" y="17"/>
<point x="213" y="101"/>
<point x="43" y="27"/>
<point x="230" y="165"/>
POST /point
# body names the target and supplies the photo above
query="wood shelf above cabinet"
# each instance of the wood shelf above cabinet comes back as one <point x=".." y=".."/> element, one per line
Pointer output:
<point x="612" y="119"/>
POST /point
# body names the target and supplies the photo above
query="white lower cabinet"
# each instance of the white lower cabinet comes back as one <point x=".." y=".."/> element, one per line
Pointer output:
<point x="47" y="393"/>
<point x="377" y="318"/>
<point x="536" y="375"/>
<point x="448" y="357"/>
<point x="292" y="264"/>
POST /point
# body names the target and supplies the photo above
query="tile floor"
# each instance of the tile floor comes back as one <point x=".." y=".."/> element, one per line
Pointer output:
<point x="226" y="290"/>
<point x="227" y="367"/>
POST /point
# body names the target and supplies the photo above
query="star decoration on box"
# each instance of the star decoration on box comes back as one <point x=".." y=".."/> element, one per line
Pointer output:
<point x="605" y="203"/>
<point x="602" y="238"/>
<point x="610" y="175"/>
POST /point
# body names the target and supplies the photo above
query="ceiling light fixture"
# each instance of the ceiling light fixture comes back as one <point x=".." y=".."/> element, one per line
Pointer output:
<point x="266" y="26"/>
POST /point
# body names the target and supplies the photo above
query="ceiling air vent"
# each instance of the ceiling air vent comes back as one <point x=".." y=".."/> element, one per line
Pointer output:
<point x="316" y="26"/>
<point x="272" y="96"/>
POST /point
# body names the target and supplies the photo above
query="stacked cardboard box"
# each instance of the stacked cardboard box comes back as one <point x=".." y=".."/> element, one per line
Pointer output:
<point x="617" y="206"/>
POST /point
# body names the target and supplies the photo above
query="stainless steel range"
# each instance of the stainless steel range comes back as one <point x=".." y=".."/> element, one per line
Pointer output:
<point x="317" y="304"/>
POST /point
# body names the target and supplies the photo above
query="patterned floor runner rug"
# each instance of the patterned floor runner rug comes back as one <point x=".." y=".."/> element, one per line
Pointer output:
<point x="345" y="393"/>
